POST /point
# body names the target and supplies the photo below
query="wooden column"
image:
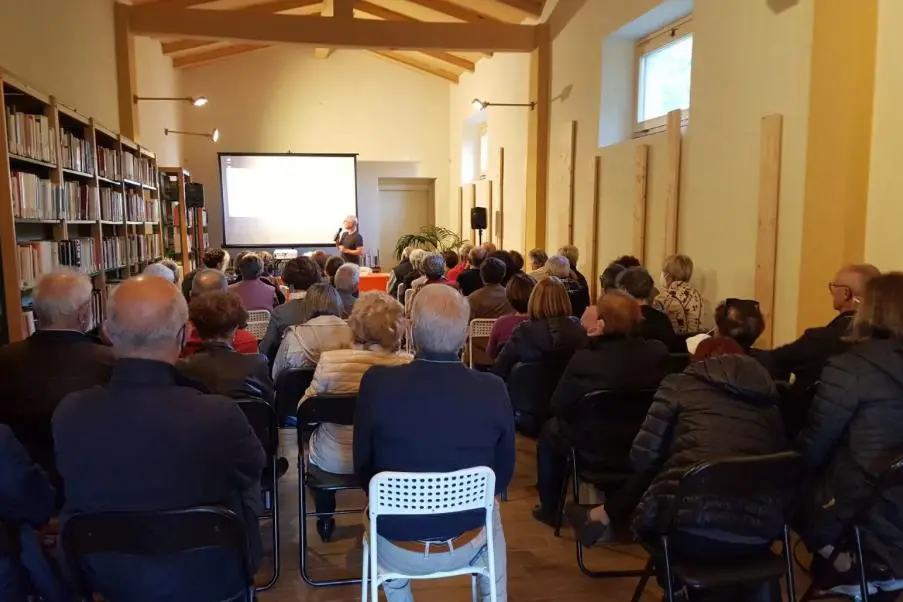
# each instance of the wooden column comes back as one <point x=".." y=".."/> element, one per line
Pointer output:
<point x="461" y="212"/>
<point x="126" y="72"/>
<point x="571" y="172"/>
<point x="672" y="209"/>
<point x="596" y="229"/>
<point x="767" y="233"/>
<point x="640" y="203"/>
<point x="500" y="216"/>
<point x="12" y="301"/>
<point x="538" y="141"/>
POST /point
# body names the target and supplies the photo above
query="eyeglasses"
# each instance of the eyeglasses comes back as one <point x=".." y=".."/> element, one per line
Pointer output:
<point x="833" y="285"/>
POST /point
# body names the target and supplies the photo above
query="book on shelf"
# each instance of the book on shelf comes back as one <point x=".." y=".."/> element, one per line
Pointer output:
<point x="147" y="175"/>
<point x="136" y="209"/>
<point x="113" y="249"/>
<point x="111" y="207"/>
<point x="78" y="202"/>
<point x="34" y="197"/>
<point x="39" y="257"/>
<point x="129" y="166"/>
<point x="152" y="210"/>
<point x="146" y="247"/>
<point x="30" y="135"/>
<point x="28" y="322"/>
<point x="77" y="154"/>
<point x="109" y="164"/>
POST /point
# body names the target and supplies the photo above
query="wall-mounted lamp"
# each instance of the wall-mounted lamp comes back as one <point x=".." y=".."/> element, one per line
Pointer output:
<point x="482" y="105"/>
<point x="212" y="136"/>
<point x="198" y="101"/>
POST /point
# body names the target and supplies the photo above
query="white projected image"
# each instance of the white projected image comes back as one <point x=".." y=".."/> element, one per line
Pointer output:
<point x="290" y="200"/>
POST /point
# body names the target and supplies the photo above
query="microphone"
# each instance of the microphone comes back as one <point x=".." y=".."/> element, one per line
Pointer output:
<point x="337" y="234"/>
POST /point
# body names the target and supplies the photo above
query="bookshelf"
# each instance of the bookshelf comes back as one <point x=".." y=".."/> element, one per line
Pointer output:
<point x="178" y="235"/>
<point x="72" y="193"/>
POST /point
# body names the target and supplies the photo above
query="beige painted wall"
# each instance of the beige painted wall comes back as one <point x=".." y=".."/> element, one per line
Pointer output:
<point x="63" y="48"/>
<point x="156" y="77"/>
<point x="885" y="210"/>
<point x="503" y="78"/>
<point x="283" y="100"/>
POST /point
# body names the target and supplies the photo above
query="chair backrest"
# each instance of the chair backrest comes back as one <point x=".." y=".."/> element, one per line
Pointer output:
<point x="335" y="409"/>
<point x="262" y="418"/>
<point x="607" y="422"/>
<point x="258" y="320"/>
<point x="419" y="493"/>
<point x="742" y="477"/>
<point x="530" y="388"/>
<point x="408" y="299"/>
<point x="152" y="534"/>
<point x="481" y="327"/>
<point x="290" y="387"/>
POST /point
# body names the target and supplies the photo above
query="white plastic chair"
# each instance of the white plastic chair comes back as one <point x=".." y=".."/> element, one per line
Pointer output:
<point x="258" y="320"/>
<point x="408" y="301"/>
<point x="480" y="327"/>
<point x="429" y="493"/>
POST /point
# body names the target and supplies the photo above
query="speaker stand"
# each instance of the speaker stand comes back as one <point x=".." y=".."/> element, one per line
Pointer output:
<point x="480" y="235"/>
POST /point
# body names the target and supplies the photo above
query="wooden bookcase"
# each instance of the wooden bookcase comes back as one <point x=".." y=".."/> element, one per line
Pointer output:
<point x="176" y="236"/>
<point x="91" y="200"/>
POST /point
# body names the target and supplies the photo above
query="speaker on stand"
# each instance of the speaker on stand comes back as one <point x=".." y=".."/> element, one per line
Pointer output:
<point x="478" y="221"/>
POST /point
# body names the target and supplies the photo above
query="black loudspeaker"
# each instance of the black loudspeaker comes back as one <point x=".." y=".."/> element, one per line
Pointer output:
<point x="194" y="195"/>
<point x="478" y="218"/>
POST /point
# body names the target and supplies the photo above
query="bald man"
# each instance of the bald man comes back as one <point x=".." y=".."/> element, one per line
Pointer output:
<point x="207" y="281"/>
<point x="58" y="359"/>
<point x="151" y="440"/>
<point x="807" y="356"/>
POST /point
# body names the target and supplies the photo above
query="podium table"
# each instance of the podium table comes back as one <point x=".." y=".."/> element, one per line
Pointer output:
<point x="374" y="282"/>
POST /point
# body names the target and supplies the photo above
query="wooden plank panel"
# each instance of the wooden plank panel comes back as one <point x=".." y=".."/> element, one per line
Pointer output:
<point x="538" y="134"/>
<point x="570" y="161"/>
<point x="767" y="233"/>
<point x="596" y="229"/>
<point x="472" y="193"/>
<point x="408" y="60"/>
<point x="126" y="72"/>
<point x="500" y="215"/>
<point x="672" y="199"/>
<point x="640" y="203"/>
<point x="461" y="212"/>
<point x="527" y="8"/>
<point x="455" y="10"/>
<point x="202" y="58"/>
<point x="184" y="45"/>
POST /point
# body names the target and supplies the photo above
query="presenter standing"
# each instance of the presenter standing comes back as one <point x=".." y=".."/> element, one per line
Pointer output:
<point x="349" y="241"/>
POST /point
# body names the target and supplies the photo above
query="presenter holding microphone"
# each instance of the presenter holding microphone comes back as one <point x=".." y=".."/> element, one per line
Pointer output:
<point x="349" y="241"/>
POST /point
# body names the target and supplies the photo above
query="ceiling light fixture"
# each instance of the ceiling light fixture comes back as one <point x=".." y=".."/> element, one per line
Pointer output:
<point x="482" y="105"/>
<point x="212" y="136"/>
<point x="198" y="101"/>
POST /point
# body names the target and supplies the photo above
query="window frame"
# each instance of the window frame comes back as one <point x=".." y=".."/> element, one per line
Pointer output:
<point x="671" y="33"/>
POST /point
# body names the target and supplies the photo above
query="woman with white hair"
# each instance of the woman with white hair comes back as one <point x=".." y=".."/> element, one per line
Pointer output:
<point x="377" y="324"/>
<point x="417" y="257"/>
<point x="560" y="267"/>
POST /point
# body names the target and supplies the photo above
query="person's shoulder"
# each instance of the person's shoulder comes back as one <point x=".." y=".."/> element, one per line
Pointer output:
<point x="75" y="402"/>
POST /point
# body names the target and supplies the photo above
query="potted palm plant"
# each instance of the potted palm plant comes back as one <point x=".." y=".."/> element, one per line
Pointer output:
<point x="430" y="238"/>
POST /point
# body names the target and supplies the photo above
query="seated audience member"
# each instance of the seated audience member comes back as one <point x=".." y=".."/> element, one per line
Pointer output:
<point x="175" y="268"/>
<point x="347" y="283"/>
<point x="27" y="502"/>
<point x="724" y="404"/>
<point x="213" y="281"/>
<point x="609" y="282"/>
<point x="148" y="441"/>
<point x="628" y="261"/>
<point x="433" y="273"/>
<point x="299" y="274"/>
<point x="267" y="275"/>
<point x="490" y="247"/>
<point x="160" y="271"/>
<point x="398" y="273"/>
<point x="451" y="261"/>
<point x="324" y="331"/>
<point x="852" y="434"/>
<point x="505" y="258"/>
<point x="215" y="317"/>
<point x="320" y="257"/>
<point x="552" y="333"/>
<point x="560" y="267"/>
<point x="615" y="360"/>
<point x="470" y="279"/>
<point x="518" y="260"/>
<point x="463" y="262"/>
<point x="253" y="292"/>
<point x="58" y="359"/>
<point x="491" y="300"/>
<point x="538" y="259"/>
<point x="417" y="257"/>
<point x="518" y="295"/>
<point x="435" y="415"/>
<point x="332" y="266"/>
<point x="807" y="356"/>
<point x="609" y="278"/>
<point x="655" y="325"/>
<point x="213" y="259"/>
<point x="377" y="323"/>
<point x="680" y="301"/>
<point x="573" y="256"/>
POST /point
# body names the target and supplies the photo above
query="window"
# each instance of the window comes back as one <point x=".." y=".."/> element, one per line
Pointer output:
<point x="484" y="152"/>
<point x="663" y="68"/>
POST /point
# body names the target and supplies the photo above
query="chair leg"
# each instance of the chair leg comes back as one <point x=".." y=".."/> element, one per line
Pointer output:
<point x="559" y="513"/>
<point x="669" y="577"/>
<point x="863" y="581"/>
<point x="641" y="586"/>
<point x="365" y="569"/>
<point x="788" y="558"/>
<point x="275" y="532"/>
<point x="809" y="594"/>
<point x="505" y="495"/>
<point x="473" y="588"/>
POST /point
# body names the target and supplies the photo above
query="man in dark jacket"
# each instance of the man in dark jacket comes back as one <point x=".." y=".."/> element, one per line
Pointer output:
<point x="58" y="359"/>
<point x="435" y="415"/>
<point x="149" y="441"/>
<point x="470" y="279"/>
<point x="400" y="272"/>
<point x="637" y="283"/>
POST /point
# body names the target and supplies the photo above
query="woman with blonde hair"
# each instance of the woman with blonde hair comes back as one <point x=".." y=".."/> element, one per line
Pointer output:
<point x="550" y="335"/>
<point x="852" y="434"/>
<point x="680" y="301"/>
<point x="377" y="324"/>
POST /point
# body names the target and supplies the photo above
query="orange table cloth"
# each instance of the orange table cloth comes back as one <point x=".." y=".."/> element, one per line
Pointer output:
<point x="374" y="282"/>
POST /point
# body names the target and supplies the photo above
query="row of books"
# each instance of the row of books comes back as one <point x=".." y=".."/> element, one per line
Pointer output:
<point x="140" y="209"/>
<point x="147" y="175"/>
<point x="109" y="163"/>
<point x="76" y="153"/>
<point x="146" y="247"/>
<point x="78" y="202"/>
<point x="30" y="135"/>
<point x="111" y="207"/>
<point x="38" y="257"/>
<point x="129" y="166"/>
<point x="113" y="249"/>
<point x="33" y="197"/>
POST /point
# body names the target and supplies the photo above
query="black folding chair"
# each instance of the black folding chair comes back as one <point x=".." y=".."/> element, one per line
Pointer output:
<point x="677" y="362"/>
<point x="153" y="534"/>
<point x="530" y="388"/>
<point x="775" y="476"/>
<point x="334" y="409"/>
<point x="290" y="387"/>
<point x="262" y="418"/>
<point x="891" y="478"/>
<point x="603" y="458"/>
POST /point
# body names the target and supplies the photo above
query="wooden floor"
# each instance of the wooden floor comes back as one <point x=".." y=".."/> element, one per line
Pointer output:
<point x="541" y="567"/>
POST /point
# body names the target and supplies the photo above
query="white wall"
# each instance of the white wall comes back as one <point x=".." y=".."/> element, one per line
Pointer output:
<point x="156" y="77"/>
<point x="284" y="100"/>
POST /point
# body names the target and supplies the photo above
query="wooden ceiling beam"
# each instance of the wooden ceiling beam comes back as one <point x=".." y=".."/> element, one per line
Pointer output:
<point x="247" y="27"/>
<point x="529" y="8"/>
<point x="414" y="63"/>
<point x="451" y="59"/>
<point x="202" y="58"/>
<point x="457" y="11"/>
<point x="177" y="3"/>
<point x="183" y="45"/>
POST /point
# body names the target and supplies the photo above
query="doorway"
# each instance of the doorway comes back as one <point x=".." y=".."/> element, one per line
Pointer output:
<point x="405" y="206"/>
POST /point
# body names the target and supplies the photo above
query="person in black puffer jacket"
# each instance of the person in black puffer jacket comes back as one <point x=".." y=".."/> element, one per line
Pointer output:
<point x="853" y="433"/>
<point x="551" y="335"/>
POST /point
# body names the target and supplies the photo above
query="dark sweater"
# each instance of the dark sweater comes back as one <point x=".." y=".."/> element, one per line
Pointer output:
<point x="432" y="415"/>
